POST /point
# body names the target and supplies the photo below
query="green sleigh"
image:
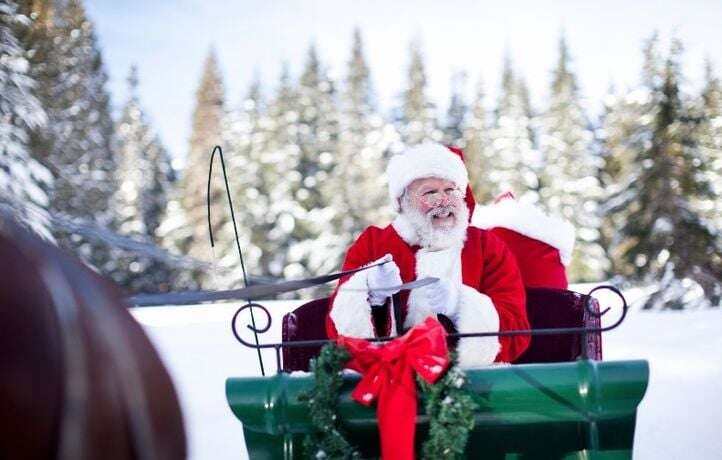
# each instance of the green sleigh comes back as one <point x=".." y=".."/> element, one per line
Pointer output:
<point x="560" y="400"/>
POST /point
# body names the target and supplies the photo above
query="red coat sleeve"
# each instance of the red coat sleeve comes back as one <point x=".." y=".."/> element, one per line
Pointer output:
<point x="501" y="281"/>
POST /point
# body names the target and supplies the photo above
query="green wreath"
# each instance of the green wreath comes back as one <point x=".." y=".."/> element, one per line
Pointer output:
<point x="449" y="406"/>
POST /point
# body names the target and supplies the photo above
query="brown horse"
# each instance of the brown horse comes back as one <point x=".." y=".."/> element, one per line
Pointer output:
<point x="79" y="378"/>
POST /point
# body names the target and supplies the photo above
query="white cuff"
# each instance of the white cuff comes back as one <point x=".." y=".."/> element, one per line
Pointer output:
<point x="350" y="311"/>
<point x="476" y="314"/>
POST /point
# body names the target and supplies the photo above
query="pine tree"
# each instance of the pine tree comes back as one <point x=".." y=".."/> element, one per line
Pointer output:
<point x="42" y="51"/>
<point x="145" y="177"/>
<point x="23" y="181"/>
<point x="359" y="191"/>
<point x="568" y="177"/>
<point x="616" y="123"/>
<point x="206" y="132"/>
<point x="710" y="139"/>
<point x="417" y="120"/>
<point x="456" y="112"/>
<point x="175" y="235"/>
<point x="664" y="239"/>
<point x="513" y="157"/>
<point x="144" y="170"/>
<point x="245" y="136"/>
<point x="627" y="128"/>
<point x="477" y="142"/>
<point x="279" y="178"/>
<point x="76" y="143"/>
<point x="315" y="245"/>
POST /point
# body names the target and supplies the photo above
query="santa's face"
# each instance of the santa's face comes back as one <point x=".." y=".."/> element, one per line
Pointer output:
<point x="435" y="209"/>
<point x="439" y="199"/>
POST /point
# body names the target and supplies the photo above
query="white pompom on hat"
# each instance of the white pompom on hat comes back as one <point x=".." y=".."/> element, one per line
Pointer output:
<point x="424" y="160"/>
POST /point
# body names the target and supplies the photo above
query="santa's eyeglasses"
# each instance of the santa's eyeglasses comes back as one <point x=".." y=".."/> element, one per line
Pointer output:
<point x="435" y="197"/>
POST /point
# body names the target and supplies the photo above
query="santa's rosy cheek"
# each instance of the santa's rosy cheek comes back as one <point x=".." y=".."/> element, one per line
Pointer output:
<point x="421" y="206"/>
<point x="426" y="208"/>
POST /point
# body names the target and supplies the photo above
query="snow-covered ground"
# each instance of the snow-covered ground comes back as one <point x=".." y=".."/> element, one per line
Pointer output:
<point x="679" y="418"/>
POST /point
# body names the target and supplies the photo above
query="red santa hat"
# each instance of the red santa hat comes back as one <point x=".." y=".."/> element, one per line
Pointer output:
<point x="427" y="160"/>
<point x="541" y="244"/>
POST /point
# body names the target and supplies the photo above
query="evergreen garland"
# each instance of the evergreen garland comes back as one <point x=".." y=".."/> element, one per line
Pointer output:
<point x="449" y="406"/>
<point x="326" y="441"/>
<point x="450" y="409"/>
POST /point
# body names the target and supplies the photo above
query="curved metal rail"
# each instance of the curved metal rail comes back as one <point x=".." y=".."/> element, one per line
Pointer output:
<point x="582" y="331"/>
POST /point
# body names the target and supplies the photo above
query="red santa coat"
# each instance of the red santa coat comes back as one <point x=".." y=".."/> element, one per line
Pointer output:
<point x="492" y="296"/>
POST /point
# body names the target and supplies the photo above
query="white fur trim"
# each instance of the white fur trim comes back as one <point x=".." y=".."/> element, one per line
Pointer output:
<point x="406" y="231"/>
<point x="529" y="221"/>
<point x="425" y="160"/>
<point x="444" y="264"/>
<point x="476" y="311"/>
<point x="351" y="311"/>
<point x="477" y="314"/>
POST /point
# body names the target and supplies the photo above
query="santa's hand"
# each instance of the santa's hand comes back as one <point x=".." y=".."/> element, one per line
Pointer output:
<point x="442" y="297"/>
<point x="382" y="277"/>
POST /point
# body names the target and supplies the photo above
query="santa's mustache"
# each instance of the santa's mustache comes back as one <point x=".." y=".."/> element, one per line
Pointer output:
<point x="441" y="211"/>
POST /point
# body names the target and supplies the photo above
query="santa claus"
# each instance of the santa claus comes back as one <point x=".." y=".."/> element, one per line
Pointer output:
<point x="480" y="287"/>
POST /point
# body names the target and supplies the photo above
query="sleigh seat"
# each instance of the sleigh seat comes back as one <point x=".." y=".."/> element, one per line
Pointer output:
<point x="546" y="308"/>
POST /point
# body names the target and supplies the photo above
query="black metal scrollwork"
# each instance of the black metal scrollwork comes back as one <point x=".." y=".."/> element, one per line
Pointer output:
<point x="582" y="331"/>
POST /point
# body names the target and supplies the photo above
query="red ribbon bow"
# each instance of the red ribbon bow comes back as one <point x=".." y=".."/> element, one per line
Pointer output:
<point x="388" y="375"/>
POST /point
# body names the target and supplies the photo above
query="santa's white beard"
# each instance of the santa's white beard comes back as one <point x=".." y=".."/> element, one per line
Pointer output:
<point x="437" y="237"/>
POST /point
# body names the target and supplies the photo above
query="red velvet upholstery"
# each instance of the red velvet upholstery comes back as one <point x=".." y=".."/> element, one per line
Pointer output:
<point x="547" y="308"/>
<point x="307" y="322"/>
<point x="551" y="308"/>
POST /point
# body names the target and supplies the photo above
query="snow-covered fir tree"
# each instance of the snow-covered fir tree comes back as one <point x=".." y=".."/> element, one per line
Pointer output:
<point x="614" y="125"/>
<point x="359" y="190"/>
<point x="417" y="118"/>
<point x="23" y="181"/>
<point x="568" y="176"/>
<point x="477" y="146"/>
<point x="513" y="160"/>
<point x="76" y="143"/>
<point x="316" y="247"/>
<point x="144" y="170"/>
<point x="206" y="132"/>
<point x="145" y="178"/>
<point x="80" y="129"/>
<point x="175" y="234"/>
<point x="663" y="239"/>
<point x="626" y="129"/>
<point x="244" y="136"/>
<point x="278" y="176"/>
<point x="41" y="45"/>
<point x="710" y="140"/>
<point x="453" y="127"/>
